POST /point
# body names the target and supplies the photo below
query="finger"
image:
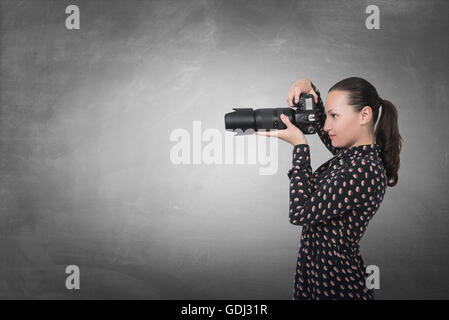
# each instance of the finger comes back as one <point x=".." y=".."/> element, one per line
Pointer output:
<point x="273" y="133"/>
<point x="286" y="121"/>
<point x="297" y="92"/>
<point x="315" y="96"/>
<point x="291" y="94"/>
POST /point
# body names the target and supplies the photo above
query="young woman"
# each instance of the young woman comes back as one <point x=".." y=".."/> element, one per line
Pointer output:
<point x="335" y="203"/>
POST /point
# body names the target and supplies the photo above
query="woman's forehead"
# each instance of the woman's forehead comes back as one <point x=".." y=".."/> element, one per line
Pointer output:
<point x="335" y="101"/>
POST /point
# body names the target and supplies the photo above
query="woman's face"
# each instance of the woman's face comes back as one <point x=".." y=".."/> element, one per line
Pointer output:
<point x="341" y="120"/>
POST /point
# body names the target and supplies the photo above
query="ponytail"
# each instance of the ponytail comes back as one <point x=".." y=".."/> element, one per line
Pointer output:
<point x="388" y="137"/>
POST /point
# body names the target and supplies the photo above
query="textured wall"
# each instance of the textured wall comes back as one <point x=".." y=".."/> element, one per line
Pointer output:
<point x="86" y="115"/>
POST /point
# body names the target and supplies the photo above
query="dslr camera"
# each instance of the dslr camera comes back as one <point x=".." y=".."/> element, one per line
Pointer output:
<point x="302" y="116"/>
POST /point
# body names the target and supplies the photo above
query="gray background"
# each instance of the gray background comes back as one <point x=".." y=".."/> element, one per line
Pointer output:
<point x="86" y="116"/>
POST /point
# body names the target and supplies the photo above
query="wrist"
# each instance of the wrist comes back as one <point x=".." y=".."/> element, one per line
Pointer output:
<point x="301" y="156"/>
<point x="296" y="142"/>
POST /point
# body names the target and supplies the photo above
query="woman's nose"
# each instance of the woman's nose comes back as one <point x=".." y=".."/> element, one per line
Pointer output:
<point x="326" y="128"/>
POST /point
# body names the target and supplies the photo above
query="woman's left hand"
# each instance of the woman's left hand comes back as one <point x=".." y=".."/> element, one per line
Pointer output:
<point x="292" y="134"/>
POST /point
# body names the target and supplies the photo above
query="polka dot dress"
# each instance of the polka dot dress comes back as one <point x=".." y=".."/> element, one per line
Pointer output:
<point x="334" y="205"/>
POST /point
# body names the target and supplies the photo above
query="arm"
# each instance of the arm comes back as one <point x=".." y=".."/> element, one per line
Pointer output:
<point x="321" y="118"/>
<point x="339" y="194"/>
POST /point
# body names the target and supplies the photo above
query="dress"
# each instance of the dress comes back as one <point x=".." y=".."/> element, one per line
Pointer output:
<point x="334" y="205"/>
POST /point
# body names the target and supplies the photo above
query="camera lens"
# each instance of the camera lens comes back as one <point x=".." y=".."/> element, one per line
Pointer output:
<point x="242" y="118"/>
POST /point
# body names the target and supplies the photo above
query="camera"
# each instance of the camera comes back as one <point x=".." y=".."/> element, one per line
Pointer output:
<point x="247" y="119"/>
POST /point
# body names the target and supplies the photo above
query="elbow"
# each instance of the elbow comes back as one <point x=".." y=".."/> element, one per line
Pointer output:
<point x="294" y="221"/>
<point x="297" y="222"/>
<point x="296" y="216"/>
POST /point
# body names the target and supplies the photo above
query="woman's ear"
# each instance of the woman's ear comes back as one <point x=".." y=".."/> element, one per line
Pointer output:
<point x="366" y="115"/>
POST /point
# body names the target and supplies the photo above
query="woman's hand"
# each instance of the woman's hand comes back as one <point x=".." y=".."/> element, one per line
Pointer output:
<point x="292" y="134"/>
<point x="299" y="87"/>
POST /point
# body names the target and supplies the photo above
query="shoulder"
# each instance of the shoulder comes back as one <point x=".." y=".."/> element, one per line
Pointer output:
<point x="365" y="167"/>
<point x="369" y="170"/>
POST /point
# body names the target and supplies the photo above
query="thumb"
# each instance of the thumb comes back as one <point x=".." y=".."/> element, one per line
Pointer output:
<point x="286" y="121"/>
<point x="315" y="96"/>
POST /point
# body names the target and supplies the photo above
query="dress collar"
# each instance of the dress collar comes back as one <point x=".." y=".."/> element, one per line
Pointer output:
<point x="372" y="149"/>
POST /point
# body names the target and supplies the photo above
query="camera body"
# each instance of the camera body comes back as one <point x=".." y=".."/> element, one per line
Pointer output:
<point x="303" y="117"/>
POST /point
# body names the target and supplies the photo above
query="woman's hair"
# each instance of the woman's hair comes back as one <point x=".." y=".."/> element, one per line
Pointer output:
<point x="361" y="93"/>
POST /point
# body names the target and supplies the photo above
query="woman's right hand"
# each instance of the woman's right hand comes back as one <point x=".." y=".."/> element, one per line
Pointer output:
<point x="299" y="87"/>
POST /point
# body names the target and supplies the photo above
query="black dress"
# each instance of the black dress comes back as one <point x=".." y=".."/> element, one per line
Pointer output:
<point x="334" y="205"/>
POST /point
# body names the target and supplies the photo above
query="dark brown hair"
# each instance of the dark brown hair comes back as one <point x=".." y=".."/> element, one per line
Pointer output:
<point x="361" y="93"/>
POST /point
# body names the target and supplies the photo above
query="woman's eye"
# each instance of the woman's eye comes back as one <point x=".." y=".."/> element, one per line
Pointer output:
<point x="333" y="114"/>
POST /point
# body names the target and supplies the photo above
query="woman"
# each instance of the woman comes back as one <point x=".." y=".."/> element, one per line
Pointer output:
<point x="335" y="203"/>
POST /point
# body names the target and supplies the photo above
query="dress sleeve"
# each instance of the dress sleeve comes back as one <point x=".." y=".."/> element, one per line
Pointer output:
<point x="321" y="118"/>
<point x="345" y="190"/>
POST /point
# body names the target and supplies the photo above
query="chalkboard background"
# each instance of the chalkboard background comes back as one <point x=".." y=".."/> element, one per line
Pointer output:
<point x="86" y="115"/>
